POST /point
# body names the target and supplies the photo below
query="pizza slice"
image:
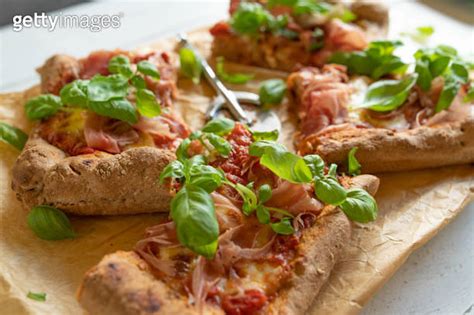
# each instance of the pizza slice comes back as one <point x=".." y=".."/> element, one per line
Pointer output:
<point x="397" y="120"/>
<point x="253" y="229"/>
<point x="105" y="123"/>
<point x="286" y="35"/>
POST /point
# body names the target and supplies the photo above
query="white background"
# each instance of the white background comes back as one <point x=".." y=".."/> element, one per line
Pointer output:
<point x="437" y="279"/>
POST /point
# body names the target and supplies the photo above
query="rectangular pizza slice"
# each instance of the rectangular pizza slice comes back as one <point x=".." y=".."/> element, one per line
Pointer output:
<point x="285" y="35"/>
<point x="253" y="229"/>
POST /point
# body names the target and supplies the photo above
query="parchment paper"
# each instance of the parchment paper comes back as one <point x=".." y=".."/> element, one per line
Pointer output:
<point x="413" y="208"/>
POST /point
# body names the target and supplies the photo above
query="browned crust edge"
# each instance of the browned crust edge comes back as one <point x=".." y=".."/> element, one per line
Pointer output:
<point x="92" y="184"/>
<point x="383" y="150"/>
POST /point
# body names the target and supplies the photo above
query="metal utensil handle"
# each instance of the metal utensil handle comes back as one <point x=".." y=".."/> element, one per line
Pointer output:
<point x="232" y="102"/>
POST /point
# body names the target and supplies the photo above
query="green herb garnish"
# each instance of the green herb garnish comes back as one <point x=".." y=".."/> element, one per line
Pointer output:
<point x="272" y="91"/>
<point x="235" y="78"/>
<point x="353" y="166"/>
<point x="421" y="34"/>
<point x="40" y="296"/>
<point x="13" y="136"/>
<point x="49" y="223"/>
<point x="190" y="65"/>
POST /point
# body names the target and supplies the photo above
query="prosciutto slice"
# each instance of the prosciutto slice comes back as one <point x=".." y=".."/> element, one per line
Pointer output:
<point x="294" y="198"/>
<point x="106" y="134"/>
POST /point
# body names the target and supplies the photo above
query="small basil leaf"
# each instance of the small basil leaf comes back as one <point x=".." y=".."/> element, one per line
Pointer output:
<point x="192" y="210"/>
<point x="219" y="126"/>
<point x="138" y="82"/>
<point x="190" y="65"/>
<point x="174" y="169"/>
<point x="220" y="144"/>
<point x="249" y="198"/>
<point x="265" y="135"/>
<point x="263" y="215"/>
<point x="264" y="193"/>
<point x="147" y="104"/>
<point x="13" y="136"/>
<point x="118" y="109"/>
<point x="206" y="177"/>
<point x="283" y="227"/>
<point x="310" y="7"/>
<point x="272" y="91"/>
<point x="424" y="74"/>
<point x="315" y="164"/>
<point x="353" y="165"/>
<point x="284" y="164"/>
<point x="49" y="223"/>
<point x="438" y="65"/>
<point x="332" y="170"/>
<point x="329" y="191"/>
<point x="147" y="68"/>
<point x="359" y="206"/>
<point x="103" y="89"/>
<point x="42" y="106"/>
<point x="250" y="18"/>
<point x="182" y="150"/>
<point x="234" y="78"/>
<point x="120" y="65"/>
<point x="459" y="72"/>
<point x="449" y="92"/>
<point x="470" y="94"/>
<point x="387" y="95"/>
<point x="421" y="34"/>
<point x="75" y="93"/>
<point x="40" y="296"/>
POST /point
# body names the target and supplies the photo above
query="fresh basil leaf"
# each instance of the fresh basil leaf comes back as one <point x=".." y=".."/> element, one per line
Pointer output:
<point x="470" y="94"/>
<point x="421" y="34"/>
<point x="272" y="91"/>
<point x="138" y="82"/>
<point x="265" y="135"/>
<point x="459" y="72"/>
<point x="13" y="136"/>
<point x="220" y="126"/>
<point x="174" y="169"/>
<point x="264" y="193"/>
<point x="284" y="164"/>
<point x="75" y="93"/>
<point x="120" y="65"/>
<point x="192" y="162"/>
<point x="283" y="227"/>
<point x="449" y="92"/>
<point x="190" y="65"/>
<point x="316" y="40"/>
<point x="195" y="135"/>
<point x="353" y="166"/>
<point x="192" y="210"/>
<point x="310" y="7"/>
<point x="438" y="65"/>
<point x="147" y="104"/>
<point x="347" y="16"/>
<point x="49" y="223"/>
<point x="103" y="89"/>
<point x="387" y="95"/>
<point x="424" y="74"/>
<point x="234" y="78"/>
<point x="250" y="18"/>
<point x="359" y="206"/>
<point x="315" y="164"/>
<point x="249" y="198"/>
<point x="220" y="144"/>
<point x="263" y="215"/>
<point x="40" y="296"/>
<point x="329" y="191"/>
<point x="118" y="109"/>
<point x="147" y="68"/>
<point x="206" y="177"/>
<point x="182" y="150"/>
<point x="332" y="172"/>
<point x="42" y="106"/>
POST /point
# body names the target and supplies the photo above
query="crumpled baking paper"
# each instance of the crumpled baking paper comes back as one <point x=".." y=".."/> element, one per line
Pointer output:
<point x="413" y="208"/>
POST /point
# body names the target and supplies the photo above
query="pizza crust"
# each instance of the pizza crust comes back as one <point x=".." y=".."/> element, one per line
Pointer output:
<point x="91" y="184"/>
<point x="384" y="150"/>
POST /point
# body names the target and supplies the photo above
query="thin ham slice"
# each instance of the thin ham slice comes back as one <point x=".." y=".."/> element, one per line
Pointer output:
<point x="228" y="214"/>
<point x="294" y="198"/>
<point x="106" y="134"/>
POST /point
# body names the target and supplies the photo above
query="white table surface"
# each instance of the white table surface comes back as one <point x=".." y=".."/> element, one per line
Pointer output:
<point x="436" y="279"/>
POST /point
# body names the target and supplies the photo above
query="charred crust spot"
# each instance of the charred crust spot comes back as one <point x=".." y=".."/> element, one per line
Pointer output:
<point x="87" y="162"/>
<point x="112" y="266"/>
<point x="147" y="301"/>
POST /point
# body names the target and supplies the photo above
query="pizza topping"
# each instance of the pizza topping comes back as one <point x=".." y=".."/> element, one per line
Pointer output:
<point x="272" y="92"/>
<point x="190" y="65"/>
<point x="57" y="72"/>
<point x="248" y="302"/>
<point x="234" y="78"/>
<point x="105" y="134"/>
<point x="12" y="135"/>
<point x="49" y="223"/>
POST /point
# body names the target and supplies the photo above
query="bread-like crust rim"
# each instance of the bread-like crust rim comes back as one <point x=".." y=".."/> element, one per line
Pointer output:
<point x="384" y="150"/>
<point x="91" y="184"/>
<point x="122" y="283"/>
